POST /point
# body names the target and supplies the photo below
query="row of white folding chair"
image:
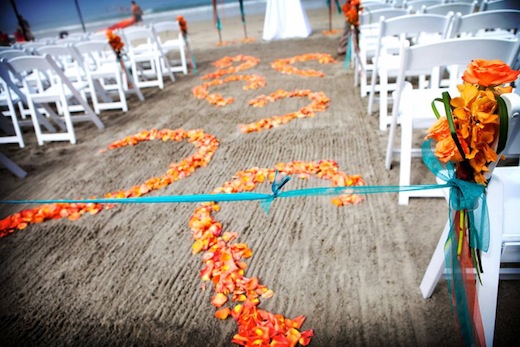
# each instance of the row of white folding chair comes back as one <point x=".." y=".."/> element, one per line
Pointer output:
<point x="49" y="85"/>
<point x="417" y="28"/>
<point x="470" y="25"/>
<point x="369" y="29"/>
<point x="412" y="107"/>
<point x="95" y="63"/>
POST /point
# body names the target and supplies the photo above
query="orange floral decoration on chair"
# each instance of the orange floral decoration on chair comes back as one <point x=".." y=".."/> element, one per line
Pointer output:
<point x="115" y="43"/>
<point x="475" y="119"/>
<point x="183" y="25"/>
<point x="223" y="260"/>
<point x="468" y="138"/>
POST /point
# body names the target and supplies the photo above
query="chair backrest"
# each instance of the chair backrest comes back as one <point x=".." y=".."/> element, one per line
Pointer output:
<point x="486" y="23"/>
<point x="166" y="29"/>
<point x="99" y="35"/>
<point x="41" y="68"/>
<point x="512" y="148"/>
<point x="417" y="5"/>
<point x="500" y="5"/>
<point x="375" y="5"/>
<point x="135" y="36"/>
<point x="415" y="24"/>
<point x="92" y="54"/>
<point x="64" y="58"/>
<point x="373" y="17"/>
<point x="455" y="7"/>
<point x="166" y="26"/>
<point x="12" y="53"/>
<point x="452" y="52"/>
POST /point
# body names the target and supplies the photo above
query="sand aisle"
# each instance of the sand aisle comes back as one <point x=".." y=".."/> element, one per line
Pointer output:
<point x="126" y="276"/>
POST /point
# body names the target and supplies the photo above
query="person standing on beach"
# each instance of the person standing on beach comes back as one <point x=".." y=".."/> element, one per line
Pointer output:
<point x="137" y="13"/>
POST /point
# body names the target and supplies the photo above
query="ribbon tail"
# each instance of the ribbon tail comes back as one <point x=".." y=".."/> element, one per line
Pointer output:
<point x="266" y="204"/>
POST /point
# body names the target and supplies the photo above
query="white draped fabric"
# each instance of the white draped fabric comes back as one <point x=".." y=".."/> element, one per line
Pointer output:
<point x="285" y="19"/>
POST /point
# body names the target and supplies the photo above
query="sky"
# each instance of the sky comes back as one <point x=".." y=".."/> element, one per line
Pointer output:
<point x="44" y="14"/>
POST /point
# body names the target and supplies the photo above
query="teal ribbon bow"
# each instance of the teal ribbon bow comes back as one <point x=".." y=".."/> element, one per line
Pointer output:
<point x="464" y="195"/>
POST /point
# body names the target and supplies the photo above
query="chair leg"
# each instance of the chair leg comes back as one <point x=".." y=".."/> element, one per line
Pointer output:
<point x="436" y="266"/>
<point x="405" y="163"/>
<point x="183" y="60"/>
<point x="488" y="291"/>
<point x="391" y="136"/>
<point x="11" y="166"/>
<point x="383" y="100"/>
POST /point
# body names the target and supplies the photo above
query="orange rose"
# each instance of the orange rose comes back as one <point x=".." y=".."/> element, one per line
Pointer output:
<point x="446" y="150"/>
<point x="487" y="73"/>
<point x="183" y="25"/>
<point x="439" y="130"/>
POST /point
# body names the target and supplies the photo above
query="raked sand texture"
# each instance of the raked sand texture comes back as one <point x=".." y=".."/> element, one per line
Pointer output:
<point x="126" y="276"/>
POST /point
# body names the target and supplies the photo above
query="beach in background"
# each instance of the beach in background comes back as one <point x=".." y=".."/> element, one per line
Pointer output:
<point x="98" y="15"/>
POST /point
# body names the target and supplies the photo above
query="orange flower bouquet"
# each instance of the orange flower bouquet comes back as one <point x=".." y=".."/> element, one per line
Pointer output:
<point x="468" y="141"/>
<point x="116" y="43"/>
<point x="183" y="27"/>
<point x="351" y="9"/>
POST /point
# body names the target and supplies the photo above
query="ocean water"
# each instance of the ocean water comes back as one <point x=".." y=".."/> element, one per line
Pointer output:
<point x="49" y="17"/>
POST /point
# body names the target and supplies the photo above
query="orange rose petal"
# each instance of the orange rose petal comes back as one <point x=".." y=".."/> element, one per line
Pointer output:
<point x="223" y="313"/>
<point x="219" y="299"/>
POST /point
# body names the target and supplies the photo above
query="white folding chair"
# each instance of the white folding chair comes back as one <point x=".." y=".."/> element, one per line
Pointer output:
<point x="145" y="57"/>
<point x="413" y="107"/>
<point x="102" y="70"/>
<point x="369" y="29"/>
<point x="503" y="201"/>
<point x="455" y="7"/>
<point x="495" y="23"/>
<point x="7" y="100"/>
<point x="52" y="87"/>
<point x="171" y="41"/>
<point x="422" y="28"/>
<point x="16" y="95"/>
<point x="13" y="133"/>
<point x="489" y="5"/>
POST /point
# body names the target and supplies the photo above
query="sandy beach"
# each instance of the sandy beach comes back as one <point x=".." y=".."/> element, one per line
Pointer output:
<point x="127" y="276"/>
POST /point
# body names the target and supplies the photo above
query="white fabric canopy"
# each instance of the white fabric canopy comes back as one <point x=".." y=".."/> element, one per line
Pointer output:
<point x="285" y="19"/>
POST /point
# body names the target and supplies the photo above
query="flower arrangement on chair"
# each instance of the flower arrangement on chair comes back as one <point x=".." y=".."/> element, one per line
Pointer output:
<point x="117" y="45"/>
<point x="351" y="9"/>
<point x="468" y="141"/>
<point x="183" y="26"/>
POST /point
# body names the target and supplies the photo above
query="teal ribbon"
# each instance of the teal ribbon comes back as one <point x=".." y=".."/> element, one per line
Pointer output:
<point x="338" y="6"/>
<point x="463" y="196"/>
<point x="224" y="197"/>
<point x="469" y="197"/>
<point x="349" y="51"/>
